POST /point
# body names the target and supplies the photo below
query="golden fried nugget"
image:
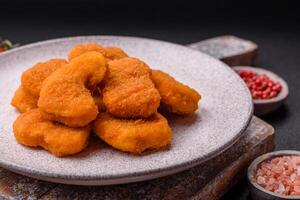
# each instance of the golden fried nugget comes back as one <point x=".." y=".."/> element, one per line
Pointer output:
<point x="65" y="94"/>
<point x="133" y="135"/>
<point x="177" y="97"/>
<point x="80" y="49"/>
<point x="114" y="53"/>
<point x="33" y="77"/>
<point x="110" y="53"/>
<point x="27" y="94"/>
<point x="24" y="101"/>
<point x="129" y="91"/>
<point x="31" y="129"/>
<point x="74" y="122"/>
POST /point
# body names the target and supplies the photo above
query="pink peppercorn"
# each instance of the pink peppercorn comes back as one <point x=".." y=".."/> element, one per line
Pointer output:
<point x="261" y="86"/>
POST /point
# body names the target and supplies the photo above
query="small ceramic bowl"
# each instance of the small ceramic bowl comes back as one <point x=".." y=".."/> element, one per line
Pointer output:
<point x="258" y="192"/>
<point x="265" y="106"/>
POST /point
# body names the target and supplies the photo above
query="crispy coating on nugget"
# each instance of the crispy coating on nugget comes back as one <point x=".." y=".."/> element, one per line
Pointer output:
<point x="80" y="49"/>
<point x="33" y="77"/>
<point x="134" y="136"/>
<point x="114" y="53"/>
<point x="66" y="94"/>
<point x="24" y="101"/>
<point x="32" y="130"/>
<point x="129" y="91"/>
<point x="177" y="97"/>
<point x="26" y="96"/>
<point x="110" y="53"/>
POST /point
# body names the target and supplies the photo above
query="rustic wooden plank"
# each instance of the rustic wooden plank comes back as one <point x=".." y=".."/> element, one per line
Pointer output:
<point x="13" y="186"/>
<point x="229" y="49"/>
<point x="209" y="180"/>
<point x="262" y="142"/>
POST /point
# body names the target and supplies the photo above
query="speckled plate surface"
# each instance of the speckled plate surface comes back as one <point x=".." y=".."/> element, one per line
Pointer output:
<point x="224" y="113"/>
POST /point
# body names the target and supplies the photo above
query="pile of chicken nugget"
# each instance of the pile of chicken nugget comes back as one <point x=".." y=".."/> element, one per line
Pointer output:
<point x="98" y="90"/>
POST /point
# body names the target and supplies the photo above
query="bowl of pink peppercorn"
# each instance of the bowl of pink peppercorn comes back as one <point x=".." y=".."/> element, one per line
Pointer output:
<point x="268" y="90"/>
<point x="275" y="175"/>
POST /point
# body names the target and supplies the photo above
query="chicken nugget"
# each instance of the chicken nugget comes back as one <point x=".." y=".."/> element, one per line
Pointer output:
<point x="66" y="93"/>
<point x="31" y="129"/>
<point x="129" y="91"/>
<point x="110" y="53"/>
<point x="24" y="101"/>
<point x="177" y="97"/>
<point x="114" y="53"/>
<point x="33" y="77"/>
<point x="133" y="135"/>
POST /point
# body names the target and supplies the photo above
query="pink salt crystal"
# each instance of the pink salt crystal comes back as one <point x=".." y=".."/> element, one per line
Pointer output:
<point x="261" y="180"/>
<point x="275" y="160"/>
<point x="289" y="171"/>
<point x="271" y="187"/>
<point x="271" y="181"/>
<point x="297" y="189"/>
<point x="297" y="180"/>
<point x="269" y="173"/>
<point x="265" y="168"/>
<point x="297" y="159"/>
<point x="295" y="193"/>
<point x="280" y="189"/>
<point x="259" y="172"/>
<point x="293" y="177"/>
<point x="280" y="175"/>
<point x="298" y="170"/>
<point x="291" y="163"/>
<point x="287" y="190"/>
<point x="277" y="170"/>
<point x="287" y="181"/>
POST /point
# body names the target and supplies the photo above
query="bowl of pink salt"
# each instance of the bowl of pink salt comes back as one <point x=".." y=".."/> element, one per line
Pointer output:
<point x="275" y="176"/>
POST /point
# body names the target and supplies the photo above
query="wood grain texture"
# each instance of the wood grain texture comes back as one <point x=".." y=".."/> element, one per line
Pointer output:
<point x="208" y="180"/>
<point x="14" y="186"/>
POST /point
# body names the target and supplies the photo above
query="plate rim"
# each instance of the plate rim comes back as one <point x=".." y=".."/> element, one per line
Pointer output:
<point x="144" y="175"/>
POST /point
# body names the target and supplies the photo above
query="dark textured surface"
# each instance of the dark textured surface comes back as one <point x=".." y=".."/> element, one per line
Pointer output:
<point x="277" y="36"/>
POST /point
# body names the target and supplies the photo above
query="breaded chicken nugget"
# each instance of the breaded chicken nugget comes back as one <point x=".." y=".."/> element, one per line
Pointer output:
<point x="114" y="53"/>
<point x="24" y="101"/>
<point x="133" y="135"/>
<point x="80" y="49"/>
<point x="31" y="129"/>
<point x="33" y="77"/>
<point x="26" y="96"/>
<point x="129" y="91"/>
<point x="110" y="53"/>
<point x="177" y="97"/>
<point x="65" y="94"/>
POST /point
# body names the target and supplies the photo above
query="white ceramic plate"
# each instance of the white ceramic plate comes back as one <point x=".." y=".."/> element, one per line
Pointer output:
<point x="224" y="112"/>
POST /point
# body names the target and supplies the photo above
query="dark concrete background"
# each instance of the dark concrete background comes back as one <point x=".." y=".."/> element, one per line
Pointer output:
<point x="274" y="27"/>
